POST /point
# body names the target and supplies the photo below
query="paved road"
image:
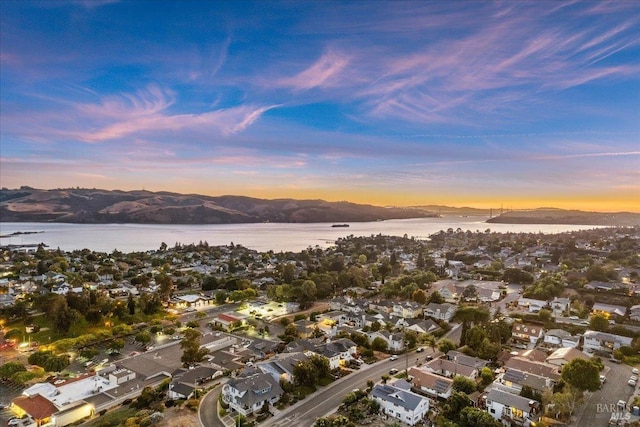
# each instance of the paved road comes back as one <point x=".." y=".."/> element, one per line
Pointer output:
<point x="327" y="399"/>
<point x="597" y="408"/>
<point x="208" y="409"/>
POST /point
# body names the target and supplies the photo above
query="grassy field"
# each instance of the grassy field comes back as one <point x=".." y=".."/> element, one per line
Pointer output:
<point x="116" y="417"/>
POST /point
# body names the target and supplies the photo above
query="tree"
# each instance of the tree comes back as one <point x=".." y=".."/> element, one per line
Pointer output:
<point x="446" y="345"/>
<point x="599" y="322"/>
<point x="420" y="262"/>
<point x="304" y="373"/>
<point x="470" y="292"/>
<point x="419" y="296"/>
<point x="384" y="269"/>
<point x="582" y="374"/>
<point x="464" y="384"/>
<point x="379" y="344"/>
<point x="143" y="337"/>
<point x="455" y="404"/>
<point x="435" y="297"/>
<point x="8" y="369"/>
<point x="131" y="305"/>
<point x="468" y="315"/>
<point x="486" y="376"/>
<point x="191" y="351"/>
<point x="474" y="417"/>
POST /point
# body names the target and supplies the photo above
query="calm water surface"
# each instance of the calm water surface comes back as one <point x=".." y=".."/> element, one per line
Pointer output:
<point x="261" y="237"/>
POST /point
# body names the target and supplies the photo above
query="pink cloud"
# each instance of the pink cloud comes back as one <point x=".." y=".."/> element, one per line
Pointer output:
<point x="323" y="72"/>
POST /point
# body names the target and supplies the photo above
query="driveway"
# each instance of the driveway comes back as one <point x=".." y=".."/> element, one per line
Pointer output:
<point x="597" y="408"/>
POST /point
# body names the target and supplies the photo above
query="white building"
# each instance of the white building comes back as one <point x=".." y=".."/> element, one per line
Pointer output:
<point x="247" y="395"/>
<point x="602" y="341"/>
<point x="398" y="401"/>
<point x="561" y="338"/>
<point x="440" y="311"/>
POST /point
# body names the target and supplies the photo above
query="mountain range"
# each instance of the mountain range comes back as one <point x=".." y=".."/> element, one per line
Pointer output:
<point x="94" y="206"/>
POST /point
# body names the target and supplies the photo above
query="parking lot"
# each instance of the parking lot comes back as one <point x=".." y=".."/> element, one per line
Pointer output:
<point x="597" y="409"/>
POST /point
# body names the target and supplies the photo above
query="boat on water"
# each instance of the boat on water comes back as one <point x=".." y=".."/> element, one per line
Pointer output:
<point x="340" y="225"/>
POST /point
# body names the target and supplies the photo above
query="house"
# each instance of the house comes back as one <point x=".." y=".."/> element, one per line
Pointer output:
<point x="398" y="401"/>
<point x="190" y="300"/>
<point x="561" y="338"/>
<point x="511" y="409"/>
<point x="229" y="320"/>
<point x="281" y="365"/>
<point x="450" y="368"/>
<point x="338" y="352"/>
<point x="463" y="359"/>
<point x="541" y="369"/>
<point x="419" y="326"/>
<point x="447" y="289"/>
<point x="395" y="341"/>
<point x="440" y="311"/>
<point x="603" y="286"/>
<point x="528" y="334"/>
<point x="634" y="313"/>
<point x="608" y="310"/>
<point x="247" y="395"/>
<point x="603" y="341"/>
<point x="407" y="309"/>
<point x="428" y="382"/>
<point x="564" y="355"/>
<point x="532" y="305"/>
<point x="185" y="382"/>
<point x="381" y="306"/>
<point x="561" y="304"/>
<point x="514" y="380"/>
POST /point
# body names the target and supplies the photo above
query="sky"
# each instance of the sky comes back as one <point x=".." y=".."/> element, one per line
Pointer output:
<point x="458" y="103"/>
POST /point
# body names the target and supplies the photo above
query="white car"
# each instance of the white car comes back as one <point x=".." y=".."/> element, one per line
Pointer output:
<point x="632" y="383"/>
<point x="574" y="317"/>
<point x="394" y="357"/>
<point x="603" y="379"/>
<point x="635" y="371"/>
<point x="633" y="377"/>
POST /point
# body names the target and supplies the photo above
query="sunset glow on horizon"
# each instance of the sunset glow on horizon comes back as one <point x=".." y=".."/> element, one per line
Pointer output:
<point x="464" y="104"/>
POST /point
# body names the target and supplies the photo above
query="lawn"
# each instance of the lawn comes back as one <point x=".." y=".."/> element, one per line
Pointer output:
<point x="114" y="418"/>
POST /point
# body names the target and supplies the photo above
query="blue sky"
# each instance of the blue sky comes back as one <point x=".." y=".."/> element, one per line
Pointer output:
<point x="525" y="104"/>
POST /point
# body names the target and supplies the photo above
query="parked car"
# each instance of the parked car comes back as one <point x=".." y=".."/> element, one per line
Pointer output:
<point x="394" y="357"/>
<point x="420" y="350"/>
<point x="393" y="371"/>
<point x="574" y="317"/>
<point x="635" y="371"/>
<point x="614" y="360"/>
<point x="632" y="382"/>
<point x="602" y="379"/>
<point x="633" y="377"/>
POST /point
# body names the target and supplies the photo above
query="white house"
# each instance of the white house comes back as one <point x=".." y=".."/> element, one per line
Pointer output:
<point x="561" y="338"/>
<point x="634" y="312"/>
<point x="533" y="305"/>
<point x="510" y="408"/>
<point x="602" y="341"/>
<point x="561" y="304"/>
<point x="249" y="394"/>
<point x="407" y="310"/>
<point x="398" y="401"/>
<point x="395" y="341"/>
<point x="440" y="311"/>
<point x="564" y="355"/>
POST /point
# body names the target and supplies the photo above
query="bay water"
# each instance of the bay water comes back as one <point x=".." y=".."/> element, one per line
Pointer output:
<point x="259" y="236"/>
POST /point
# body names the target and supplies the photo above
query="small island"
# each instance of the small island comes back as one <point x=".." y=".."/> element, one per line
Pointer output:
<point x="340" y="225"/>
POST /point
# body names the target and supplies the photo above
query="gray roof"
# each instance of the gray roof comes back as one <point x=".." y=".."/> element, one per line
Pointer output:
<point x="182" y="388"/>
<point x="510" y="399"/>
<point x="253" y="387"/>
<point x="406" y="399"/>
<point x="463" y="359"/>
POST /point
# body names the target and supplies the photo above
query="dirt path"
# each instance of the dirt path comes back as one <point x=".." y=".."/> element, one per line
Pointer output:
<point x="318" y="307"/>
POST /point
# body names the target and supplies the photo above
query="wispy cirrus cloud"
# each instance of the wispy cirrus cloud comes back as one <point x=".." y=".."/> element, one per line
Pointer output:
<point x="323" y="72"/>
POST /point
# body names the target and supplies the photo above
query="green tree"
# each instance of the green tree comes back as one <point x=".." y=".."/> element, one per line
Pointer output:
<point x="143" y="337"/>
<point x="191" y="351"/>
<point x="419" y="296"/>
<point x="474" y="417"/>
<point x="379" y="344"/>
<point x="582" y="374"/>
<point x="598" y="322"/>
<point x="131" y="305"/>
<point x="10" y="368"/>
<point x="455" y="404"/>
<point x="435" y="297"/>
<point x="470" y="315"/>
<point x="446" y="345"/>
<point x="464" y="384"/>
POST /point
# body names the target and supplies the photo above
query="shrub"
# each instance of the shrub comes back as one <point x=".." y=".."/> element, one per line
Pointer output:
<point x="193" y="404"/>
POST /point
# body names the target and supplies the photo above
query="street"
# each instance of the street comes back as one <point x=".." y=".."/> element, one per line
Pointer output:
<point x="597" y="408"/>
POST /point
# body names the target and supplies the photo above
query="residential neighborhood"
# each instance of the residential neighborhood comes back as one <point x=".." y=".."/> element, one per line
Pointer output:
<point x="461" y="329"/>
